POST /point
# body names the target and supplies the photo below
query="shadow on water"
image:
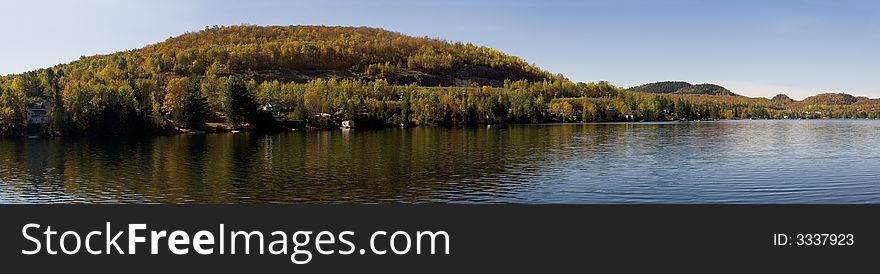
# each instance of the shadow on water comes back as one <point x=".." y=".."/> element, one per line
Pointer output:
<point x="701" y="162"/>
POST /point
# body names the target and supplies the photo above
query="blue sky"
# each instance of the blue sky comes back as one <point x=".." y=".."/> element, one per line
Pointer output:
<point x="755" y="48"/>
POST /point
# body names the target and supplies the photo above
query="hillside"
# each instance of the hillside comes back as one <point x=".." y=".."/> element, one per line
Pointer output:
<point x="302" y="53"/>
<point x="660" y="87"/>
<point x="830" y="99"/>
<point x="147" y="88"/>
<point x="707" y="89"/>
<point x="677" y="87"/>
<point x="781" y="99"/>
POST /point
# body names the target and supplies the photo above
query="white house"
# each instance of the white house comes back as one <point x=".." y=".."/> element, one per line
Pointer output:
<point x="37" y="114"/>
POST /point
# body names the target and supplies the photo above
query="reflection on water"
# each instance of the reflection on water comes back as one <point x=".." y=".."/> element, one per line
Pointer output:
<point x="702" y="162"/>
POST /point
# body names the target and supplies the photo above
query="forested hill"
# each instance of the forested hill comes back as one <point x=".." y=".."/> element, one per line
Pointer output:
<point x="781" y="99"/>
<point x="302" y="53"/>
<point x="226" y="72"/>
<point x="276" y="78"/>
<point x="676" y="87"/>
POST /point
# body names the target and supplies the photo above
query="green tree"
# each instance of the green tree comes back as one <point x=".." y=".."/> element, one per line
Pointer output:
<point x="405" y="110"/>
<point x="10" y="122"/>
<point x="240" y="106"/>
<point x="13" y="104"/>
<point x="196" y="109"/>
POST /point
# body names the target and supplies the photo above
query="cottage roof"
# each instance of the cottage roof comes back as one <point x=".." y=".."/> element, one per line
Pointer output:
<point x="275" y="106"/>
<point x="36" y="106"/>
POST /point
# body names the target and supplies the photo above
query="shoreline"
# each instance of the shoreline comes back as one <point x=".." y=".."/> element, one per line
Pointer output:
<point x="220" y="130"/>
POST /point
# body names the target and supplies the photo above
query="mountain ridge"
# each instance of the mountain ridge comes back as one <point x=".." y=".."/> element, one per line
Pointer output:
<point x="680" y="87"/>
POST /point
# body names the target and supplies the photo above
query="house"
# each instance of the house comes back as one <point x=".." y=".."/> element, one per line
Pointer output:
<point x="37" y="114"/>
<point x="277" y="109"/>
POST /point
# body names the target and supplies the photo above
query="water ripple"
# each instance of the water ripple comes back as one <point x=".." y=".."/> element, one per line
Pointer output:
<point x="827" y="161"/>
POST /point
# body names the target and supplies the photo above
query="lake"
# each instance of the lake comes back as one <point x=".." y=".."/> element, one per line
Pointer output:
<point x="774" y="161"/>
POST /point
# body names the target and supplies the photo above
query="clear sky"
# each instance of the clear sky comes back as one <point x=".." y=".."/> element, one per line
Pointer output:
<point x="755" y="48"/>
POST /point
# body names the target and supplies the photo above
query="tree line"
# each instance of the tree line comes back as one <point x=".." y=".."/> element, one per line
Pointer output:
<point x="156" y="105"/>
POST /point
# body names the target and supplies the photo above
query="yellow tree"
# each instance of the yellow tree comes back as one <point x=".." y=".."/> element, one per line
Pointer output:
<point x="175" y="94"/>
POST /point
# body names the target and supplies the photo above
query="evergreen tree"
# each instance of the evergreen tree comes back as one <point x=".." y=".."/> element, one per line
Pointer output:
<point x="196" y="109"/>
<point x="240" y="106"/>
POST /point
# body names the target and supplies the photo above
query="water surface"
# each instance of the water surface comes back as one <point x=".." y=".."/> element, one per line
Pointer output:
<point x="789" y="161"/>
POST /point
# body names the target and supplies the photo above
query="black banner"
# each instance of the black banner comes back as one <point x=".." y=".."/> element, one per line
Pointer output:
<point x="484" y="238"/>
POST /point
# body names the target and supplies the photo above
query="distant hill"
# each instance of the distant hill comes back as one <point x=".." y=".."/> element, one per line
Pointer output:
<point x="678" y="87"/>
<point x="830" y="99"/>
<point x="708" y="89"/>
<point x="661" y="87"/>
<point x="781" y="99"/>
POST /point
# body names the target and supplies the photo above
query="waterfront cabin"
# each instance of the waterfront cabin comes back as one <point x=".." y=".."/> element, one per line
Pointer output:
<point x="277" y="109"/>
<point x="37" y="114"/>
